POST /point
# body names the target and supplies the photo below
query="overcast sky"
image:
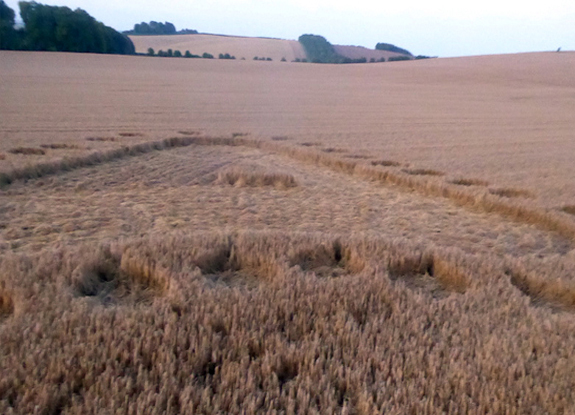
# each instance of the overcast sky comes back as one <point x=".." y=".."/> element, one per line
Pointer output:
<point x="438" y="28"/>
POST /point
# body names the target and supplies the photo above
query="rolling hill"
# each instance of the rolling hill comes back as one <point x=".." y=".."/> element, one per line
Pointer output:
<point x="245" y="47"/>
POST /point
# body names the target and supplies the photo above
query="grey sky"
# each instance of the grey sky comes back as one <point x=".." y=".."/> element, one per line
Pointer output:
<point x="439" y="28"/>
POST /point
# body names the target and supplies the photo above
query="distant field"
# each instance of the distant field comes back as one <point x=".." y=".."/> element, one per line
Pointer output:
<point x="506" y="120"/>
<point x="205" y="236"/>
<point x="245" y="47"/>
<point x="240" y="47"/>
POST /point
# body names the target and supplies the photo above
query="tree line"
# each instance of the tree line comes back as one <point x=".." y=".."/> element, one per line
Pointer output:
<point x="392" y="48"/>
<point x="158" y="28"/>
<point x="170" y="53"/>
<point x="53" y="28"/>
<point x="319" y="50"/>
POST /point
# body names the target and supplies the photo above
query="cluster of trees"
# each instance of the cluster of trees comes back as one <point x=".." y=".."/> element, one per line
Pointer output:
<point x="399" y="58"/>
<point x="177" y="54"/>
<point x="392" y="48"/>
<point x="52" y="28"/>
<point x="262" y="59"/>
<point x="319" y="50"/>
<point x="158" y="28"/>
<point x="9" y="37"/>
<point x="358" y="60"/>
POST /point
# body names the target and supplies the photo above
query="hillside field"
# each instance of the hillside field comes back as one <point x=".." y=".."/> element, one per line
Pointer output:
<point x="182" y="236"/>
<point x="245" y="47"/>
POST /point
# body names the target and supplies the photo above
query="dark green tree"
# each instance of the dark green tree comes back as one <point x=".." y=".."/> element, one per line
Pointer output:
<point x="9" y="38"/>
<point x="155" y="28"/>
<point x="319" y="50"/>
<point x="399" y="58"/>
<point x="151" y="52"/>
<point x="392" y="48"/>
<point x="51" y="28"/>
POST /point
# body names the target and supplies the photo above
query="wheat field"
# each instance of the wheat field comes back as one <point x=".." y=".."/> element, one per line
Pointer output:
<point x="194" y="236"/>
<point x="240" y="47"/>
<point x="245" y="48"/>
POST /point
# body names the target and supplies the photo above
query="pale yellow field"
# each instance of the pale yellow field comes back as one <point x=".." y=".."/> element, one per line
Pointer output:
<point x="263" y="237"/>
<point x="240" y="47"/>
<point x="504" y="119"/>
<point x="245" y="47"/>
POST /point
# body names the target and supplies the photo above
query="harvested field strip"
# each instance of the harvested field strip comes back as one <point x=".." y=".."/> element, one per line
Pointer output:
<point x="164" y="191"/>
<point x="54" y="167"/>
<point x="198" y="323"/>
<point x="485" y="202"/>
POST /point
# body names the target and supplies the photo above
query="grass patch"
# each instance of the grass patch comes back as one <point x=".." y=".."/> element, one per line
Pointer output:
<point x="239" y="134"/>
<point x="428" y="273"/>
<point x="310" y="144"/>
<point x="386" y="163"/>
<point x="241" y="177"/>
<point x="328" y="260"/>
<point x="6" y="304"/>
<point x="334" y="150"/>
<point x="469" y="182"/>
<point x="280" y="138"/>
<point x="236" y="263"/>
<point x="59" y="146"/>
<point x="111" y="139"/>
<point x="189" y="132"/>
<point x="543" y="291"/>
<point x="358" y="156"/>
<point x="27" y="151"/>
<point x="423" y="172"/>
<point x="511" y="192"/>
<point x="112" y="277"/>
<point x="131" y="134"/>
<point x="570" y="209"/>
